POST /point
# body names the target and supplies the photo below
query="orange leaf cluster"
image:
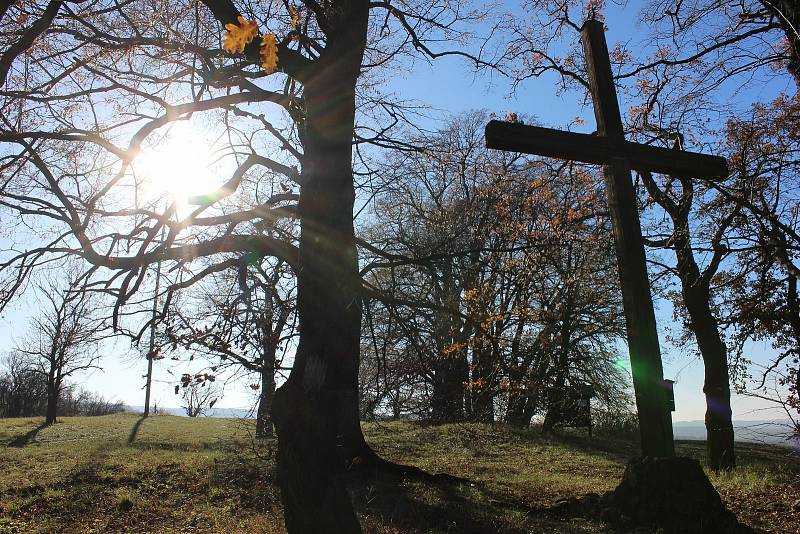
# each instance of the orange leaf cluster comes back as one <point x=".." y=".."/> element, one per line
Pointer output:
<point x="294" y="13"/>
<point x="269" y="53"/>
<point x="453" y="349"/>
<point x="238" y="36"/>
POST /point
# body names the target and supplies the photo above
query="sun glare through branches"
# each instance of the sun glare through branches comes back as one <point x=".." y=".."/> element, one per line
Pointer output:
<point x="179" y="166"/>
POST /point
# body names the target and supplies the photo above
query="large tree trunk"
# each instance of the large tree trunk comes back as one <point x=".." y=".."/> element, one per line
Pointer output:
<point x="52" y="405"/>
<point x="521" y="404"/>
<point x="450" y="369"/>
<point x="482" y="398"/>
<point x="697" y="297"/>
<point x="316" y="411"/>
<point x="719" y="426"/>
<point x="263" y="422"/>
<point x="521" y="408"/>
<point x="793" y="318"/>
<point x="516" y="409"/>
<point x="447" y="398"/>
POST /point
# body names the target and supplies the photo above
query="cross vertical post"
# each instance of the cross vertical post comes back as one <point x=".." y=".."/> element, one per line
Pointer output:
<point x="655" y="421"/>
<point x="617" y="155"/>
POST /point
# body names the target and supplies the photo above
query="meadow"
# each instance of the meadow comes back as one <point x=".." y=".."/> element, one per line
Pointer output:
<point x="169" y="474"/>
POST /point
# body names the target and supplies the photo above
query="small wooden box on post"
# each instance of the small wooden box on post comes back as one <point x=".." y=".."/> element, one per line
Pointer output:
<point x="610" y="149"/>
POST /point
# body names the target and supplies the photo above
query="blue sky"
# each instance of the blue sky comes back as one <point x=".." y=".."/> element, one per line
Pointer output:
<point x="449" y="86"/>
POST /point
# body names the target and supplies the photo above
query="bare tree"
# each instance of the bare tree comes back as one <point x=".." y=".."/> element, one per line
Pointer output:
<point x="512" y="258"/>
<point x="23" y="393"/>
<point x="198" y="394"/>
<point x="676" y="197"/>
<point x="243" y="321"/>
<point x="64" y="339"/>
<point x="759" y="293"/>
<point x="122" y="73"/>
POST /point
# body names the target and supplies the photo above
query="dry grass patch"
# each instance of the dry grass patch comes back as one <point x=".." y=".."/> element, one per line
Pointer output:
<point x="209" y="475"/>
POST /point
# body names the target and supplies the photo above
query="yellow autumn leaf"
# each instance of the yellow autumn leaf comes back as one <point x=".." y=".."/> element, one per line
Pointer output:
<point x="294" y="13"/>
<point x="238" y="36"/>
<point x="269" y="53"/>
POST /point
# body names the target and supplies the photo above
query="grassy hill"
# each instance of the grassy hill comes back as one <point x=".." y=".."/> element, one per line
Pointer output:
<point x="174" y="474"/>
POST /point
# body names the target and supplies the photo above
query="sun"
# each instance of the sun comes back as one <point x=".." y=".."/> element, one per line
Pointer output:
<point x="179" y="166"/>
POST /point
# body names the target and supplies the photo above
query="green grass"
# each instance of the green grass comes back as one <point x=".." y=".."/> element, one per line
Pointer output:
<point x="209" y="475"/>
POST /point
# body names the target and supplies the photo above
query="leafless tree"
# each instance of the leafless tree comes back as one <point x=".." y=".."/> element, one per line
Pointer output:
<point x="23" y="392"/>
<point x="243" y="321"/>
<point x="88" y="88"/>
<point x="759" y="293"/>
<point x="512" y="258"/>
<point x="64" y="338"/>
<point x="198" y="394"/>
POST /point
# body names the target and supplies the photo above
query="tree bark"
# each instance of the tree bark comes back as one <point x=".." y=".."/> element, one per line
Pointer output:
<point x="483" y="360"/>
<point x="515" y="410"/>
<point x="450" y="364"/>
<point x="264" y="427"/>
<point x="52" y="404"/>
<point x="793" y="318"/>
<point x="695" y="288"/>
<point x="316" y="411"/>
<point x="520" y="409"/>
<point x="447" y="399"/>
<point x="521" y="404"/>
<point x="719" y="425"/>
<point x="787" y="14"/>
<point x="53" y="387"/>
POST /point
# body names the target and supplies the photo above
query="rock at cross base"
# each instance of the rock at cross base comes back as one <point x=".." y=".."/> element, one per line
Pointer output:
<point x="674" y="494"/>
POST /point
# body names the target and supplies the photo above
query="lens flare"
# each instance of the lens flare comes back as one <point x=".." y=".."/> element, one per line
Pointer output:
<point x="178" y="166"/>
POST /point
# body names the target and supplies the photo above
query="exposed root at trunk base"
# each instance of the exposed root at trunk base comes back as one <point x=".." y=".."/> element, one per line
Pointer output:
<point x="314" y="496"/>
<point x="671" y="493"/>
<point x="369" y="461"/>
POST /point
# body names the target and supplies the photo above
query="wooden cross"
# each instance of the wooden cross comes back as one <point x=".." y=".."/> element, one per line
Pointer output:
<point x="610" y="149"/>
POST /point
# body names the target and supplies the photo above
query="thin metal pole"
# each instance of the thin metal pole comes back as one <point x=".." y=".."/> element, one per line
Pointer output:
<point x="151" y="349"/>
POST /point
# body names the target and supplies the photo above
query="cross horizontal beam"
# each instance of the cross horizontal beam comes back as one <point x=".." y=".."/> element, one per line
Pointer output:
<point x="601" y="150"/>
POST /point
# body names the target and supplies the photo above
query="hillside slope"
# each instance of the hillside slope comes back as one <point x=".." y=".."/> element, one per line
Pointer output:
<point x="173" y="474"/>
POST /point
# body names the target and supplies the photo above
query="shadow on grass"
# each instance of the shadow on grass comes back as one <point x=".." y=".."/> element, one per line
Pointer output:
<point x="24" y="439"/>
<point x="621" y="448"/>
<point x="427" y="504"/>
<point x="135" y="429"/>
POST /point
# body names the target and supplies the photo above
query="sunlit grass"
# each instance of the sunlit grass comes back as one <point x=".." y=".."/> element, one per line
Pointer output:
<point x="208" y="475"/>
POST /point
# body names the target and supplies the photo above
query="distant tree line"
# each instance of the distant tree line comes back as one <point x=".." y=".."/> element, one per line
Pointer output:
<point x="499" y="296"/>
<point x="24" y="393"/>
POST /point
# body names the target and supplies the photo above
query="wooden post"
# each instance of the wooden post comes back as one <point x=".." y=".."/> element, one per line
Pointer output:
<point x="655" y="421"/>
<point x="610" y="149"/>
<point x="152" y="343"/>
